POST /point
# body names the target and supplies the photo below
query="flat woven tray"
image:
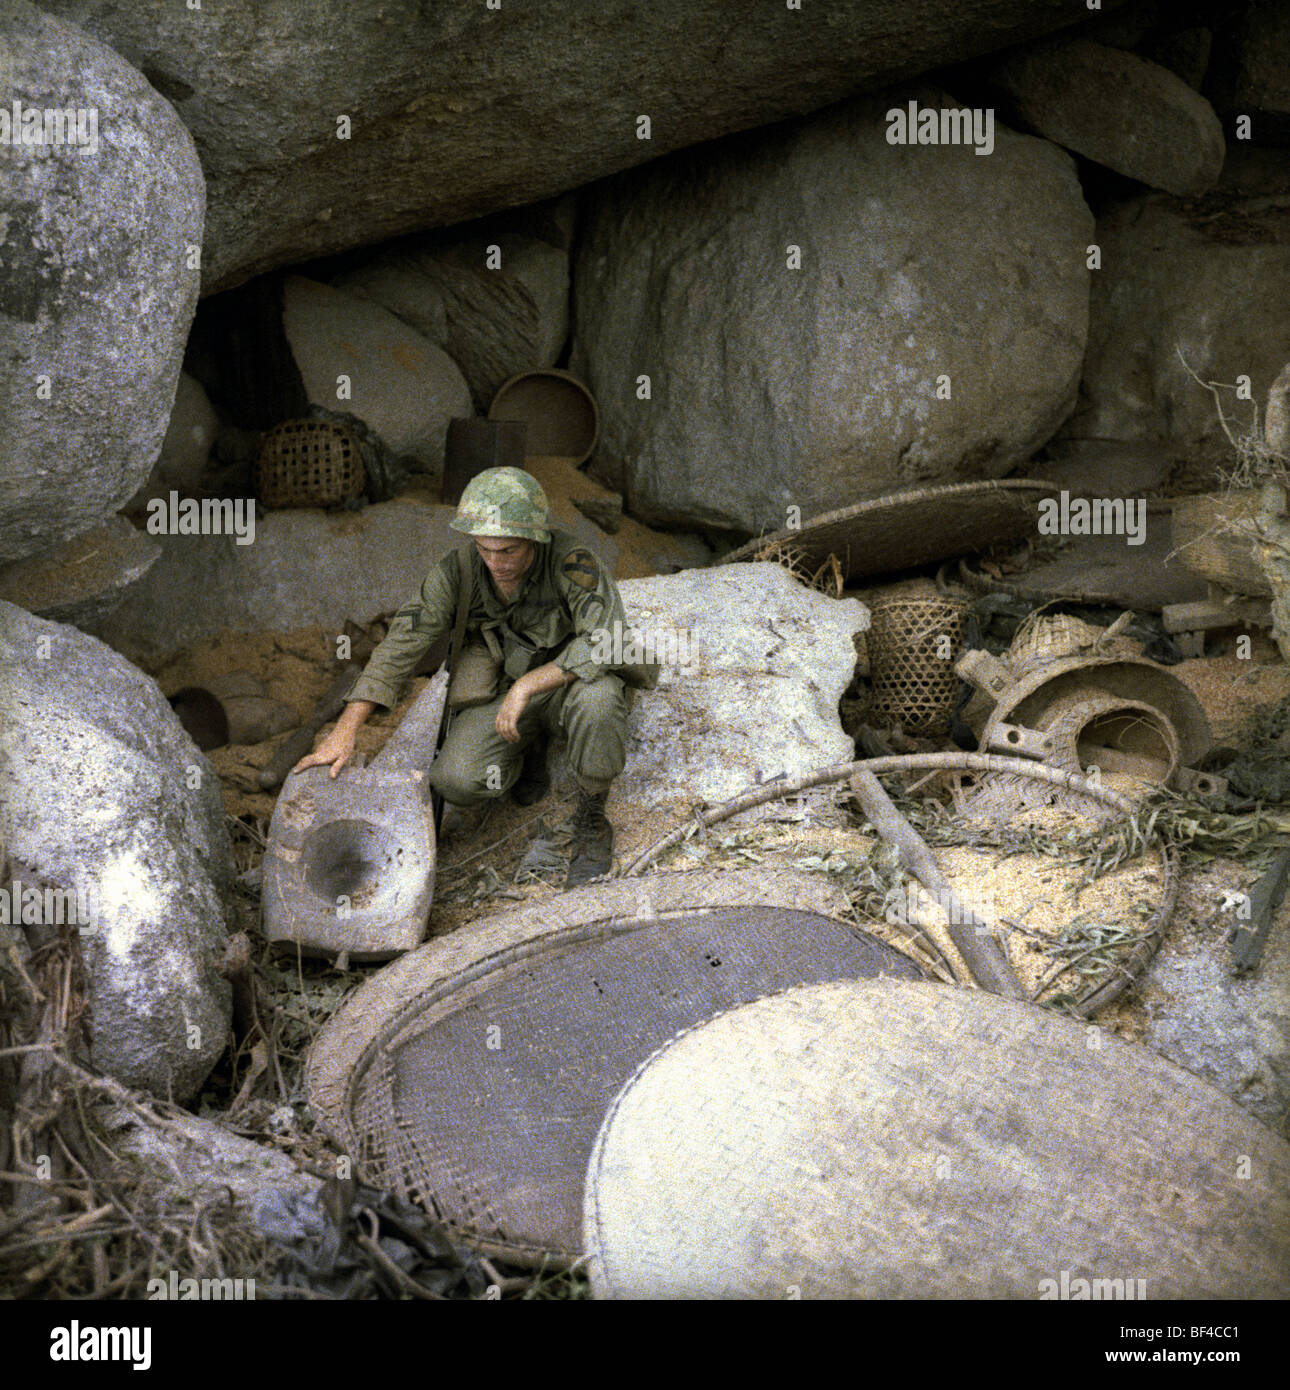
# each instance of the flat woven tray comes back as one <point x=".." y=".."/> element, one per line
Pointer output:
<point x="904" y="529"/>
<point x="894" y="1139"/>
<point x="473" y="1075"/>
<point x="1105" y="570"/>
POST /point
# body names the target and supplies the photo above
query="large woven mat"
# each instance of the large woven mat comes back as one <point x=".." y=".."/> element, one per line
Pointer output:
<point x="904" y="529"/>
<point x="896" y="1139"/>
<point x="473" y="1075"/>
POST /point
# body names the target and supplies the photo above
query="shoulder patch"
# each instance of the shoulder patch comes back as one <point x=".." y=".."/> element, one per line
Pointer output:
<point x="580" y="568"/>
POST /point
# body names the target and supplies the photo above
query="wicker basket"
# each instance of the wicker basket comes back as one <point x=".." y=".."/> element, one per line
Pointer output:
<point x="308" y="463"/>
<point x="1045" y="638"/>
<point x="910" y="665"/>
<point x="886" y="1139"/>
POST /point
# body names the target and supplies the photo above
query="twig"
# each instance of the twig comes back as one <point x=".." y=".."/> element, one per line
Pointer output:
<point x="449" y="865"/>
<point x="839" y="772"/>
<point x="981" y="952"/>
<point x="401" y="1278"/>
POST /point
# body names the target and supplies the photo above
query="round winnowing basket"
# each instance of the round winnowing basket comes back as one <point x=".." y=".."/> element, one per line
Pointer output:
<point x="472" y="1075"/>
<point x="897" y="1139"/>
<point x="913" y="643"/>
<point x="308" y="463"/>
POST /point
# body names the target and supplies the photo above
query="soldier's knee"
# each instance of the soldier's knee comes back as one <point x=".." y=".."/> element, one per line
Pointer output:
<point x="469" y="784"/>
<point x="595" y="703"/>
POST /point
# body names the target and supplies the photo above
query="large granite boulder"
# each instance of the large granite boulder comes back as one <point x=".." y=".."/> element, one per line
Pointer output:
<point x="1261" y="86"/>
<point x="323" y="127"/>
<point x="103" y="792"/>
<point x="1131" y="115"/>
<point x="82" y="580"/>
<point x="492" y="320"/>
<point x="305" y="567"/>
<point x="1189" y="290"/>
<point x="401" y="385"/>
<point x="100" y="226"/>
<point x="186" y="449"/>
<point x="772" y="387"/>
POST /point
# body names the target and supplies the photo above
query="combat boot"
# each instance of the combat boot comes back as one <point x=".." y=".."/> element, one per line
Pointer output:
<point x="593" y="839"/>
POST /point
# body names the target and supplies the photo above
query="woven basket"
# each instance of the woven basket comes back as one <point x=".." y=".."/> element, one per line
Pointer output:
<point x="494" y="1137"/>
<point x="895" y="1139"/>
<point x="1050" y="637"/>
<point x="308" y="463"/>
<point x="910" y="665"/>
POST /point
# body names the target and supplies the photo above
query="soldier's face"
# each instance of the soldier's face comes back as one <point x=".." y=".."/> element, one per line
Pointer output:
<point x="507" y="557"/>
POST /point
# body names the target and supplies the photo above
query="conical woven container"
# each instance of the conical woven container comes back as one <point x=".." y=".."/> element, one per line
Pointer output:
<point x="897" y="1139"/>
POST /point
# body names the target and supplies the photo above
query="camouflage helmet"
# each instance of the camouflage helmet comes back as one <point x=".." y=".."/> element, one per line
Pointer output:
<point x="503" y="502"/>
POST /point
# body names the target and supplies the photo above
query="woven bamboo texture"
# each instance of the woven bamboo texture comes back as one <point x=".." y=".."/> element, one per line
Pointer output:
<point x="913" y="644"/>
<point x="896" y="1139"/>
<point x="1214" y="537"/>
<point x="904" y="529"/>
<point x="491" y="1130"/>
<point x="308" y="463"/>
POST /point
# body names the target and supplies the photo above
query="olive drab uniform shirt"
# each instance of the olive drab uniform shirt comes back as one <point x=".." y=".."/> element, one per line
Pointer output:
<point x="566" y="597"/>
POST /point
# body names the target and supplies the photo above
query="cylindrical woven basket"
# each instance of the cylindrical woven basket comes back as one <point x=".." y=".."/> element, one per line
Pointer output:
<point x="911" y="665"/>
<point x="308" y="463"/>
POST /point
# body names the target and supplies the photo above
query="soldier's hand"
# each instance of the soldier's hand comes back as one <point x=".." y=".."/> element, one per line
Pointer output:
<point x="337" y="749"/>
<point x="512" y="707"/>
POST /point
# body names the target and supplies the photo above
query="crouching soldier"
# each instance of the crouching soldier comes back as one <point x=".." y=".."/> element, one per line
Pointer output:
<point x="534" y="660"/>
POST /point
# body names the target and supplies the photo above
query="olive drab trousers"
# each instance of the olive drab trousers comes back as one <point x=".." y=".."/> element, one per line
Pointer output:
<point x="476" y="763"/>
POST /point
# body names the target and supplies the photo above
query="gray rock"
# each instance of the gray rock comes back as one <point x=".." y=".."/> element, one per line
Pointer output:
<point x="458" y="110"/>
<point x="606" y="512"/>
<point x="96" y="293"/>
<point x="403" y="387"/>
<point x="207" y="1162"/>
<point x="764" y="662"/>
<point x="186" y="449"/>
<point x="81" y="580"/>
<point x="1234" y="1031"/>
<point x="395" y="282"/>
<point x="1118" y="109"/>
<point x="1210" y="289"/>
<point x="493" y="323"/>
<point x="304" y="568"/>
<point x="102" y="791"/>
<point x="774" y="387"/>
<point x="1262" y="87"/>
